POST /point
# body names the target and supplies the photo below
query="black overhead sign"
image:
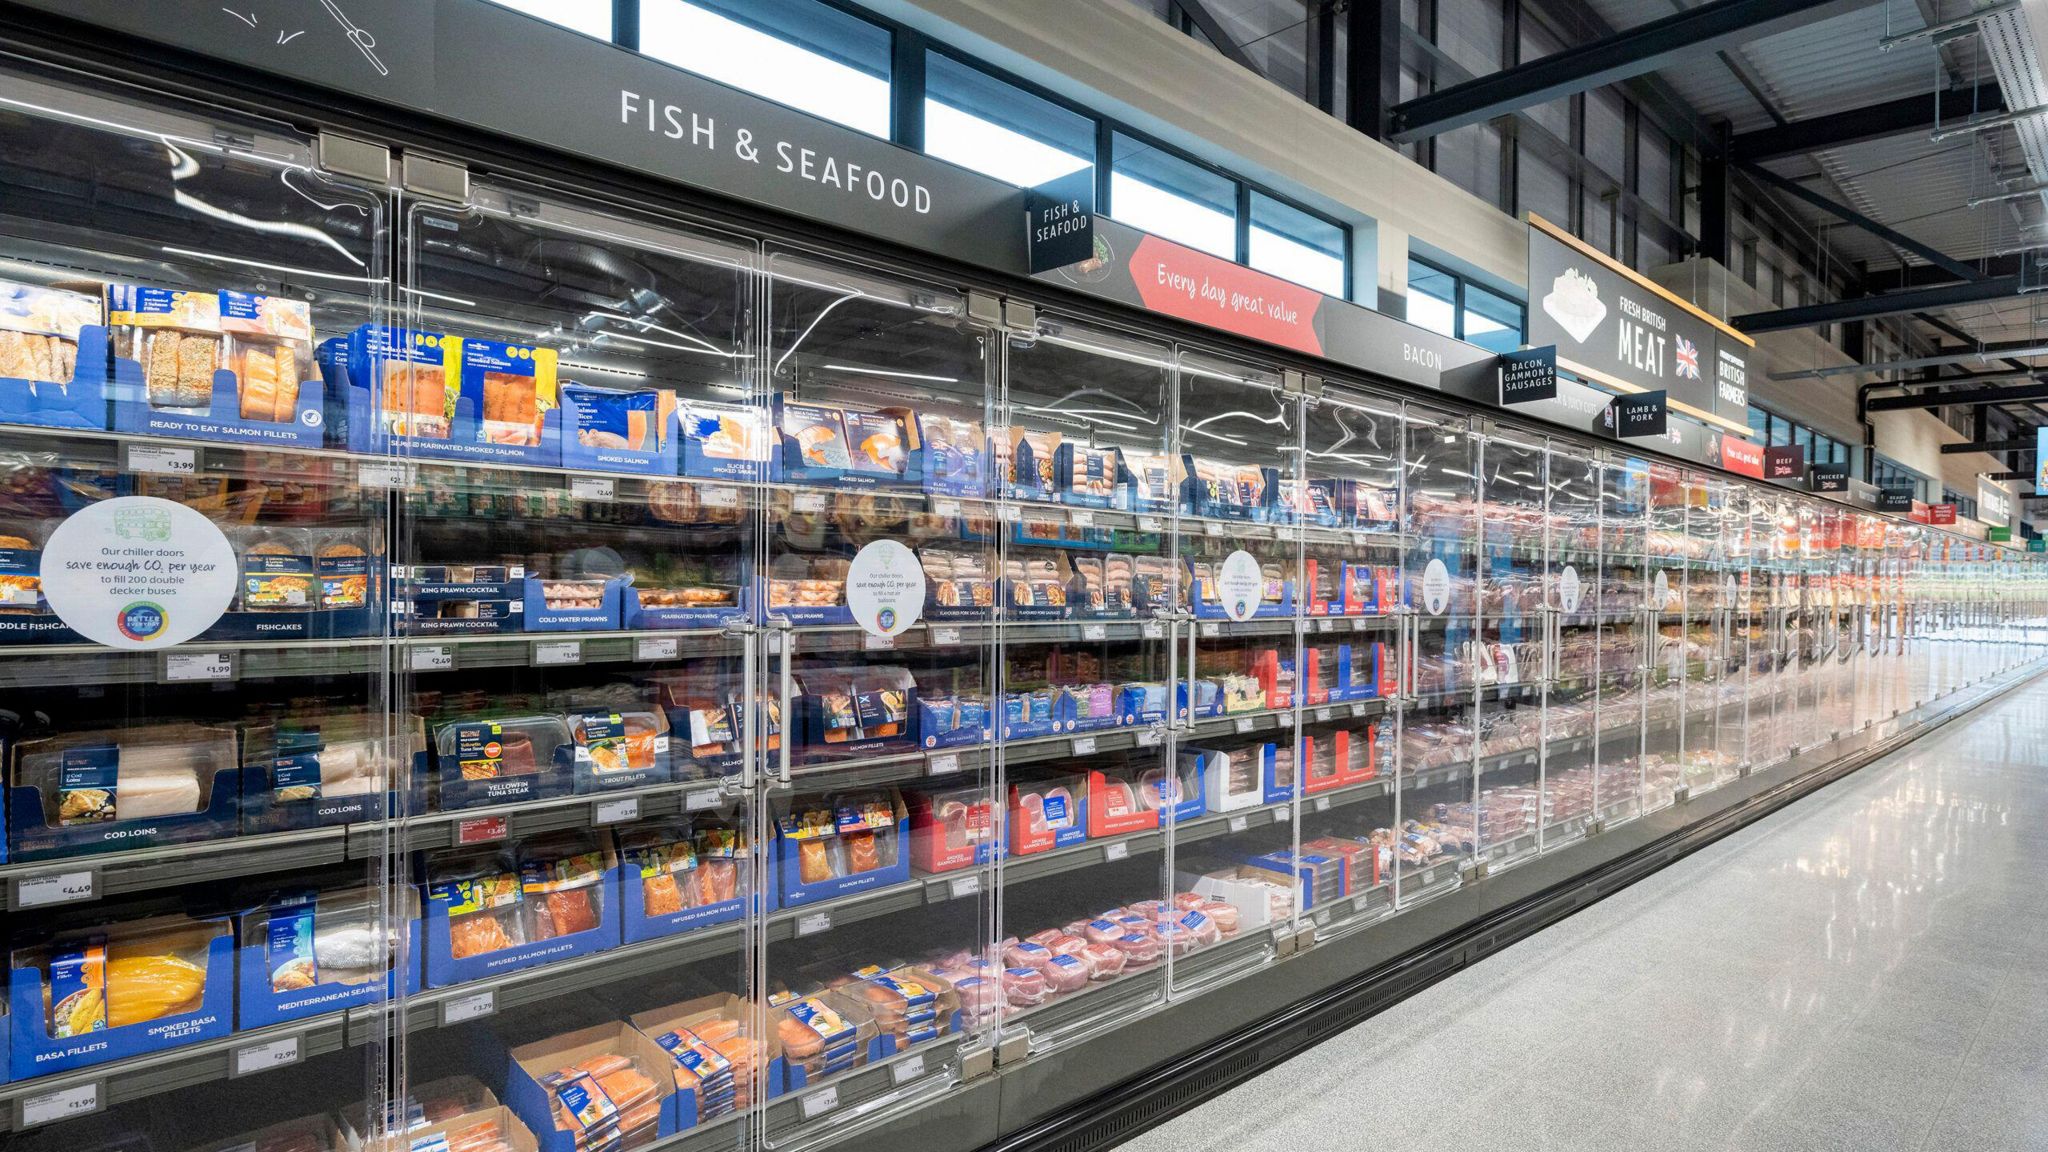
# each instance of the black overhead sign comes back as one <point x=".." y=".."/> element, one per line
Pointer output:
<point x="1059" y="221"/>
<point x="1614" y="328"/>
<point x="1895" y="500"/>
<point x="1830" y="478"/>
<point x="1528" y="375"/>
<point x="1785" y="462"/>
<point x="1639" y="414"/>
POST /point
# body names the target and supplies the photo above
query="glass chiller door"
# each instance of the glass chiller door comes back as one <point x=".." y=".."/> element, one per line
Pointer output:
<point x="880" y="587"/>
<point x="1574" y="610"/>
<point x="1236" y="859"/>
<point x="1665" y="636"/>
<point x="1092" y="634"/>
<point x="1511" y="650"/>
<point x="573" y="399"/>
<point x="1623" y="637"/>
<point x="1440" y="675"/>
<point x="1351" y="572"/>
<point x="200" y="758"/>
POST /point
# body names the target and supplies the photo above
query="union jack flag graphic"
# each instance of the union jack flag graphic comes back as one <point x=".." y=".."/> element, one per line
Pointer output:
<point x="1688" y="359"/>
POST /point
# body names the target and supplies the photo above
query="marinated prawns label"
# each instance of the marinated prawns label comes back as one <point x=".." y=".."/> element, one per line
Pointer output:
<point x="138" y="572"/>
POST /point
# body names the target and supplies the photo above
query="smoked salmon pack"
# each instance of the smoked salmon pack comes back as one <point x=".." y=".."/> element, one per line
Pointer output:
<point x="606" y="1088"/>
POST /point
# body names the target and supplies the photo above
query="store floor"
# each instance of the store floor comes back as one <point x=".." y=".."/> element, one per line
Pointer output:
<point x="1867" y="970"/>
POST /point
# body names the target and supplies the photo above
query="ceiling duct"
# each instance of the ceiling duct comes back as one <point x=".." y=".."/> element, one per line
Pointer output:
<point x="2015" y="54"/>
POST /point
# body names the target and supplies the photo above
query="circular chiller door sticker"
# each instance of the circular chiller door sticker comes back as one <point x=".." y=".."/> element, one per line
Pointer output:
<point x="1240" y="585"/>
<point x="1436" y="587"/>
<point x="138" y="572"/>
<point x="1568" y="588"/>
<point x="885" y="588"/>
<point x="1661" y="585"/>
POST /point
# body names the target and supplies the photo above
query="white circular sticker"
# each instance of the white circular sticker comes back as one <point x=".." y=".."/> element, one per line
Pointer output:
<point x="885" y="588"/>
<point x="1661" y="585"/>
<point x="138" y="572"/>
<point x="1436" y="587"/>
<point x="1568" y="588"/>
<point x="1240" y="585"/>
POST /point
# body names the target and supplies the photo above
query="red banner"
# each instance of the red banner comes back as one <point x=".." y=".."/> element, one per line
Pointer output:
<point x="1215" y="293"/>
<point x="1742" y="457"/>
<point x="1941" y="513"/>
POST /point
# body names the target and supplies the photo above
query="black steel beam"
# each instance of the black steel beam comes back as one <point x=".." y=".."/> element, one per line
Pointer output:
<point x="1850" y="215"/>
<point x="1199" y="15"/>
<point x="1987" y="446"/>
<point x="1633" y="52"/>
<point x="1872" y="307"/>
<point x="1876" y="122"/>
<point x="2009" y="476"/>
<point x="1372" y="65"/>
<point x="1969" y="399"/>
<point x="1714" y="203"/>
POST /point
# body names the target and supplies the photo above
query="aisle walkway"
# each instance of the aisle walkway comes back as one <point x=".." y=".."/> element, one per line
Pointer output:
<point x="1866" y="970"/>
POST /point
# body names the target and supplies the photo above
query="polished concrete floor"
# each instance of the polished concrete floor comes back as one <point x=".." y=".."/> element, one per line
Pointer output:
<point x="1865" y="970"/>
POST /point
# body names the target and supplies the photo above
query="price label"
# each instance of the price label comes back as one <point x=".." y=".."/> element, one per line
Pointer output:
<point x="58" y="888"/>
<point x="945" y="637"/>
<point x="161" y="459"/>
<point x="814" y="923"/>
<point x="718" y="497"/>
<point x="819" y="1103"/>
<point x="1240" y="823"/>
<point x="198" y="667"/>
<point x="807" y="502"/>
<point x="1283" y="813"/>
<point x="253" y="1058"/>
<point x="383" y="474"/>
<point x="1361" y="903"/>
<point x="1084" y="746"/>
<point x="1150" y="738"/>
<point x="1322" y="715"/>
<point x="615" y="811"/>
<point x="907" y="1069"/>
<point x="602" y="488"/>
<point x="1211" y="629"/>
<point x="554" y="653"/>
<point x="947" y="508"/>
<point x="1012" y="514"/>
<point x="1150" y="524"/>
<point x="1152" y="630"/>
<point x="1094" y="631"/>
<point x="647" y="649"/>
<point x="1322" y="803"/>
<point x="1117" y="850"/>
<point x="62" y="1104"/>
<point x="702" y="799"/>
<point x="433" y="658"/>
<point x="1358" y="624"/>
<point x="481" y="829"/>
<point x="1081" y="518"/>
<point x="942" y="765"/>
<point x="474" y="1006"/>
<point x="1358" y="710"/>
<point x="1286" y="719"/>
<point x="965" y="885"/>
<point x="874" y="643"/>
<point x="1211" y="528"/>
<point x="1244" y="725"/>
<point x="1325" y="624"/>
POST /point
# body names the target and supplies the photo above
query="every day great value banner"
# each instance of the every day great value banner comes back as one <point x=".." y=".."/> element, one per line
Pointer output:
<point x="1618" y="329"/>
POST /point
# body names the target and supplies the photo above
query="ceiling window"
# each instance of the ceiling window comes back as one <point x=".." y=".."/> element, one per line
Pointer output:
<point x="1432" y="298"/>
<point x="590" y="17"/>
<point x="807" y="55"/>
<point x="1294" y="245"/>
<point x="1167" y="196"/>
<point x="999" y="129"/>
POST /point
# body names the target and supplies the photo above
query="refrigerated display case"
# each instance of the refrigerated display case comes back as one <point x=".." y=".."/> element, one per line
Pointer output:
<point x="628" y="663"/>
